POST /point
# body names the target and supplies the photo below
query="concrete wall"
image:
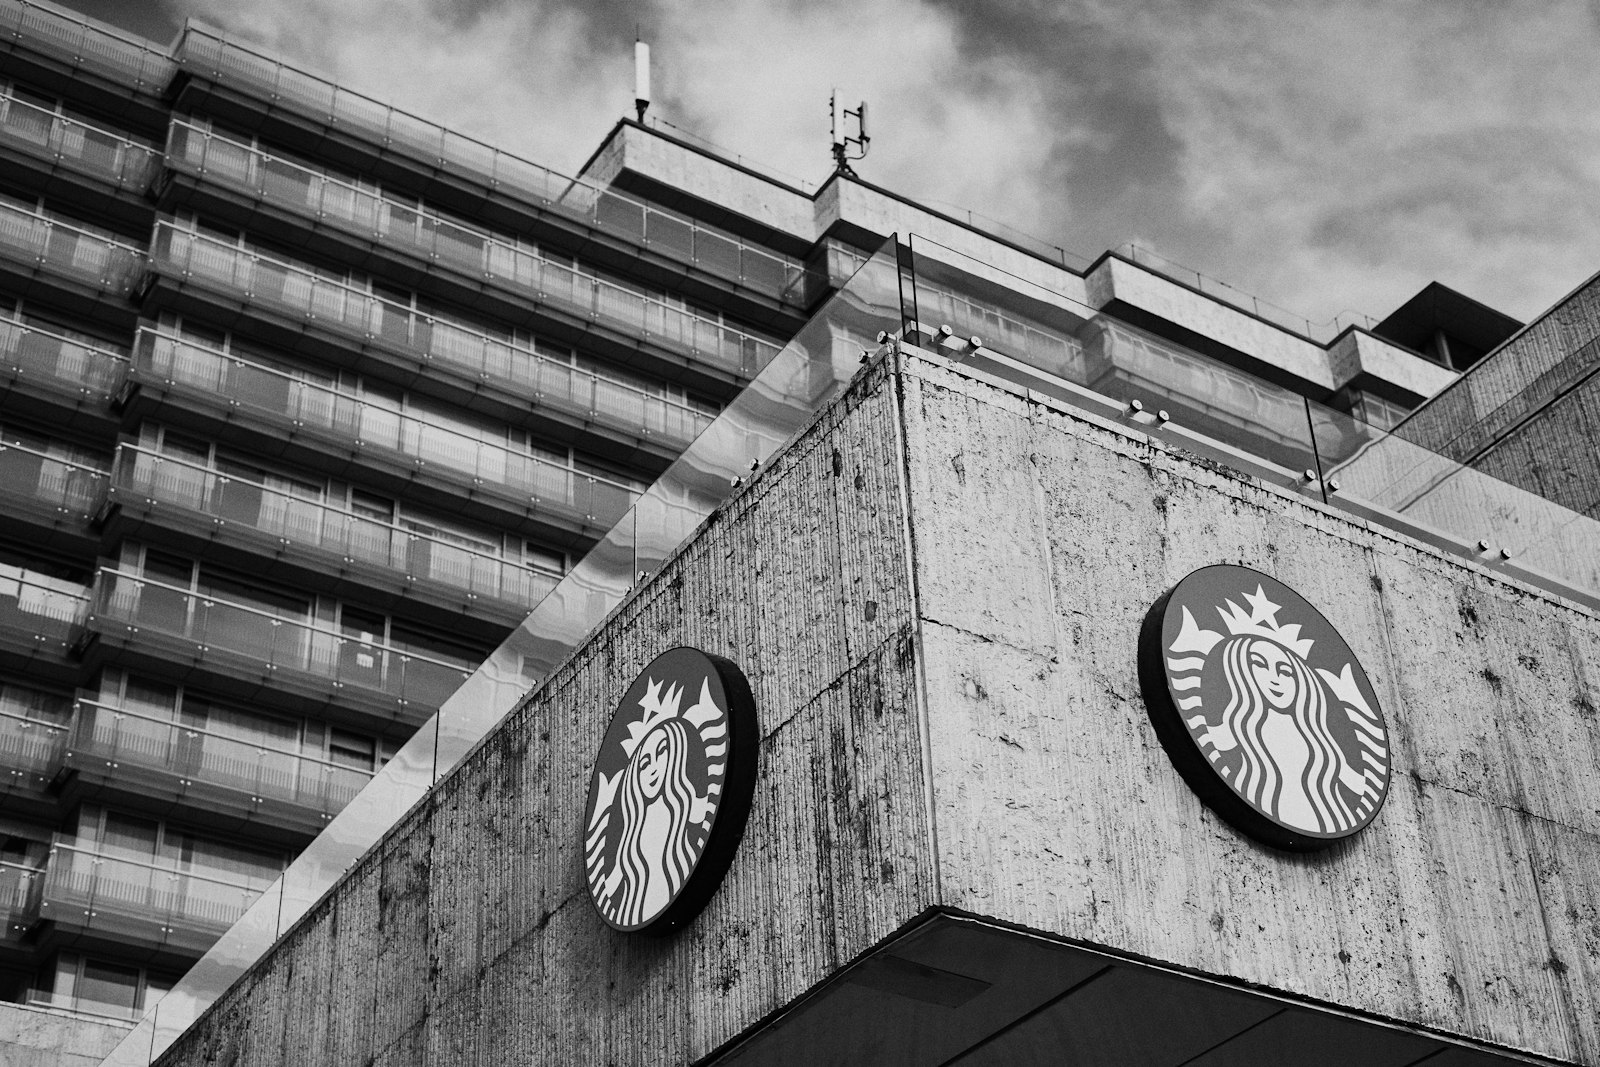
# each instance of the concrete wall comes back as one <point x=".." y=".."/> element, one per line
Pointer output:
<point x="980" y="743"/>
<point x="30" y="1037"/>
<point x="1471" y="906"/>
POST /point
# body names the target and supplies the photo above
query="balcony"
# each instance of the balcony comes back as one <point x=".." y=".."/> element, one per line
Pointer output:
<point x="41" y="365"/>
<point x="86" y="890"/>
<point x="30" y="752"/>
<point x="325" y="541"/>
<point x="49" y="494"/>
<point x="76" y="147"/>
<point x="84" y="47"/>
<point x="20" y="887"/>
<point x="250" y="652"/>
<point x="583" y="301"/>
<point x="33" y="245"/>
<point x="439" y="155"/>
<point x="334" y="424"/>
<point x="41" y="618"/>
<point x="219" y="779"/>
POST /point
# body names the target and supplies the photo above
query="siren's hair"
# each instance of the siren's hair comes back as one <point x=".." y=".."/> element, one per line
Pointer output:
<point x="677" y="795"/>
<point x="1259" y="778"/>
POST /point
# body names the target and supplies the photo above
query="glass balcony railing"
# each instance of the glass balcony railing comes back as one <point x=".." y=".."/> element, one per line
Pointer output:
<point x="40" y="613"/>
<point x="20" y="888"/>
<point x="39" y="242"/>
<point x="367" y="318"/>
<point x="49" y="487"/>
<point x="86" y="46"/>
<point x="476" y="253"/>
<point x="90" y="888"/>
<point x="61" y="364"/>
<point x="30" y="750"/>
<point x="205" y="764"/>
<point x="76" y="146"/>
<point x="376" y="428"/>
<point x="138" y="473"/>
<point x="718" y="252"/>
<point x="222" y="633"/>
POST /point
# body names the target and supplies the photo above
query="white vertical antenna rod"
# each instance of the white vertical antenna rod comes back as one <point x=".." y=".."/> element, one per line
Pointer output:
<point x="641" y="77"/>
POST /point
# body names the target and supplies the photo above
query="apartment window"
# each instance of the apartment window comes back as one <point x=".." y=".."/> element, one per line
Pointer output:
<point x="99" y="987"/>
<point x="351" y="750"/>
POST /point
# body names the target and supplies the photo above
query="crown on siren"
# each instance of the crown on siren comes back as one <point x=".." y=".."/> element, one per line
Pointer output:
<point x="1262" y="621"/>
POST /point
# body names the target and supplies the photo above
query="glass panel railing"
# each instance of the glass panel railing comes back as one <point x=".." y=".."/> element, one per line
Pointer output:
<point x="668" y="233"/>
<point x="30" y="749"/>
<point x="381" y="429"/>
<point x="1033" y="335"/>
<point x="91" y="888"/>
<point x="1251" y="425"/>
<point x="47" y="614"/>
<point x="204" y="762"/>
<point x="478" y="253"/>
<point x="141" y="475"/>
<point x="49" y="486"/>
<point x="18" y="891"/>
<point x="75" y="145"/>
<point x="43" y="243"/>
<point x="86" y="46"/>
<point x="222" y="632"/>
<point x="809" y="370"/>
<point x="1411" y="488"/>
<point x="371" y="319"/>
<point x="63" y="365"/>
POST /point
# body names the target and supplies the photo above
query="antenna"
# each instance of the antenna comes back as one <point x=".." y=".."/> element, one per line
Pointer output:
<point x="641" y="77"/>
<point x="843" y="144"/>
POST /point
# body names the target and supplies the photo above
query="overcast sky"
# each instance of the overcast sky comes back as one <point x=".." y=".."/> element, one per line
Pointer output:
<point x="1324" y="155"/>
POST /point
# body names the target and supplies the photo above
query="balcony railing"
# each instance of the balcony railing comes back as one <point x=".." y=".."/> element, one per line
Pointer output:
<point x="372" y="427"/>
<point x="76" y="146"/>
<point x="86" y="46"/>
<point x="90" y="888"/>
<point x="43" y="484"/>
<point x="318" y="525"/>
<point x="29" y="354"/>
<point x="39" y="242"/>
<point x="724" y="254"/>
<point x="35" y="610"/>
<point x="367" y="318"/>
<point x="222" y="632"/>
<point x="19" y="897"/>
<point x="474" y="252"/>
<point x="202" y="761"/>
<point x="30" y="749"/>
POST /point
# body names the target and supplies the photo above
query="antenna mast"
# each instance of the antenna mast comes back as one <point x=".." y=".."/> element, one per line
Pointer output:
<point x="843" y="144"/>
<point x="641" y="77"/>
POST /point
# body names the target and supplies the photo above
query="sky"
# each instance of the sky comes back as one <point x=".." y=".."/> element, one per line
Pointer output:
<point x="1326" y="156"/>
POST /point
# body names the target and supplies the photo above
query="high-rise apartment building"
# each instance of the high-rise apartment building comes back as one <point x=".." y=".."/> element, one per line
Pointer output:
<point x="307" y="401"/>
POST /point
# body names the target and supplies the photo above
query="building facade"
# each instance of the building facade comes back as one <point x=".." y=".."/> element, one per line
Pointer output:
<point x="308" y="401"/>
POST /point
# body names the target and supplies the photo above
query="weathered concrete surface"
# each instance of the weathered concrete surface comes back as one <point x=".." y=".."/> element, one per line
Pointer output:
<point x="1470" y="906"/>
<point x="975" y="739"/>
<point x="467" y="937"/>
<point x="30" y="1037"/>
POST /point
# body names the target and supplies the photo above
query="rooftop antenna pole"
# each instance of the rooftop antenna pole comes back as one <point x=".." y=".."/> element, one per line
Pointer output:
<point x="641" y="77"/>
<point x="843" y="144"/>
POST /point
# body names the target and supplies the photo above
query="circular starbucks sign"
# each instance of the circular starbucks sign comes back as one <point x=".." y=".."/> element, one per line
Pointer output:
<point x="670" y="791"/>
<point x="1263" y="708"/>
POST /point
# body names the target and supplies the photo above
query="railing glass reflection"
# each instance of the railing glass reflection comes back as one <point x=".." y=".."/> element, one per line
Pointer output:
<point x="377" y="427"/>
<point x="85" y="46"/>
<point x="667" y="233"/>
<point x="223" y="632"/>
<point x="89" y="888"/>
<point x="37" y="611"/>
<point x="199" y="760"/>
<point x="140" y="473"/>
<point x="64" y="365"/>
<point x="75" y="145"/>
<point x="49" y="485"/>
<point x="40" y="242"/>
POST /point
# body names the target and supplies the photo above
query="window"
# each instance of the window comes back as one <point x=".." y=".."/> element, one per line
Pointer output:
<point x="98" y="987"/>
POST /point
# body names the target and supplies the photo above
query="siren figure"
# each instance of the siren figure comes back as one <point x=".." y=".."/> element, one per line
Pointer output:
<point x="652" y="809"/>
<point x="1289" y="766"/>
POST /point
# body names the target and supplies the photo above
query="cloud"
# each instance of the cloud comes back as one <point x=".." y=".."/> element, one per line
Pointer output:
<point x="1324" y="154"/>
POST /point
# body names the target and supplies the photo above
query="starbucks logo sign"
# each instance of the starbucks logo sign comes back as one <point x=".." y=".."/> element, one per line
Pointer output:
<point x="1264" y="709"/>
<point x="670" y="791"/>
